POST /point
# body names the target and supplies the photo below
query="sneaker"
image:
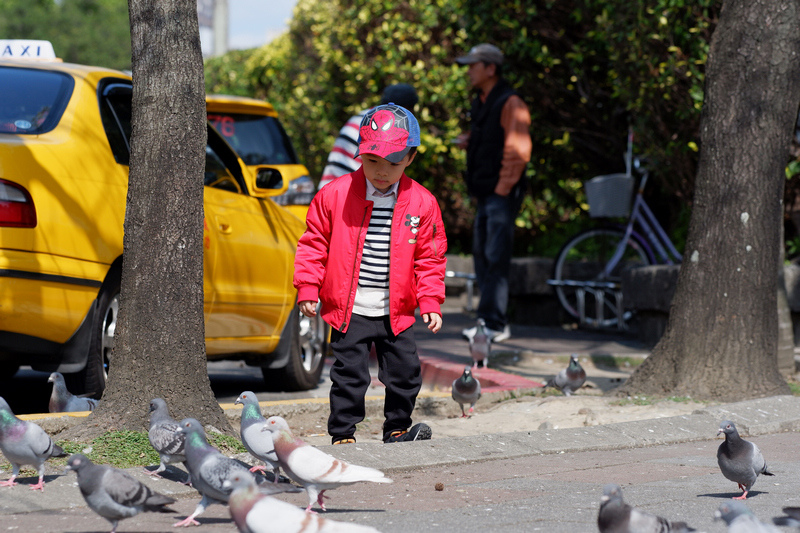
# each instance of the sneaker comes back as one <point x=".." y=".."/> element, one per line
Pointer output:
<point x="343" y="440"/>
<point x="494" y="335"/>
<point x="419" y="432"/>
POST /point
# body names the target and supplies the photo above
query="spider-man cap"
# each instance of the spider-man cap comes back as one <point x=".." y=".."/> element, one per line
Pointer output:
<point x="388" y="131"/>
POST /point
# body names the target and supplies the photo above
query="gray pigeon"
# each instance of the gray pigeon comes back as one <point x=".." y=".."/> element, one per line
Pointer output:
<point x="208" y="469"/>
<point x="480" y="345"/>
<point x="740" y="460"/>
<point x="113" y="493"/>
<point x="63" y="401"/>
<point x="570" y="379"/>
<point x="257" y="442"/>
<point x="24" y="443"/>
<point x="616" y="516"/>
<point x="164" y="436"/>
<point x="254" y="511"/>
<point x="740" y="519"/>
<point x="466" y="391"/>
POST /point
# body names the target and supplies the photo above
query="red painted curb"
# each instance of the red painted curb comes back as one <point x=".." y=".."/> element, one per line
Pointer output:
<point x="439" y="374"/>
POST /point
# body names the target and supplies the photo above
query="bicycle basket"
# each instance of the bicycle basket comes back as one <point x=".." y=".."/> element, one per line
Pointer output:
<point x="609" y="195"/>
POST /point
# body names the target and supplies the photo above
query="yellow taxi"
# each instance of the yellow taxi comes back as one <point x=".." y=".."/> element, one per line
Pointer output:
<point x="253" y="129"/>
<point x="64" y="151"/>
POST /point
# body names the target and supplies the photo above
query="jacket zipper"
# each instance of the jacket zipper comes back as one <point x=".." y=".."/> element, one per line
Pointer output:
<point x="352" y="278"/>
<point x="435" y="248"/>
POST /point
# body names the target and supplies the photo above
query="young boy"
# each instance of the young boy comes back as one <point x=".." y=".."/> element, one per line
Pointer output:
<point x="372" y="253"/>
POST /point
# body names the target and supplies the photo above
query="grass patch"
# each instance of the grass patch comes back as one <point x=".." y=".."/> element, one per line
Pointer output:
<point x="794" y="386"/>
<point x="125" y="449"/>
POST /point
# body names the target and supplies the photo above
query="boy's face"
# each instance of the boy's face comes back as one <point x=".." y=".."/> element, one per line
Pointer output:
<point x="382" y="174"/>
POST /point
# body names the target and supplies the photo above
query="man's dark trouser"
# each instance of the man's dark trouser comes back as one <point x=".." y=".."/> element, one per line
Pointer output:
<point x="399" y="370"/>
<point x="493" y="239"/>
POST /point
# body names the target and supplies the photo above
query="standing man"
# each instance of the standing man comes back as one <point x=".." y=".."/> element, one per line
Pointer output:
<point x="498" y="149"/>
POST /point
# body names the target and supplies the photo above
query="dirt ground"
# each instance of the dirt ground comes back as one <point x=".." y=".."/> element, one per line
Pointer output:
<point x="533" y="410"/>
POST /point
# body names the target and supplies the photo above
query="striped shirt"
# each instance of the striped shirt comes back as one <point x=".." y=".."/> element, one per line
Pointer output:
<point x="342" y="159"/>
<point x="372" y="293"/>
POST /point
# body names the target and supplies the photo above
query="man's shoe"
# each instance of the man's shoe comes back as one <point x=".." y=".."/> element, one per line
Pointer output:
<point x="420" y="431"/>
<point x="494" y="335"/>
<point x="343" y="440"/>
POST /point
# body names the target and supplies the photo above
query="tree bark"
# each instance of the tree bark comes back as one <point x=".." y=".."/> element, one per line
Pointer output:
<point x="722" y="336"/>
<point x="160" y="339"/>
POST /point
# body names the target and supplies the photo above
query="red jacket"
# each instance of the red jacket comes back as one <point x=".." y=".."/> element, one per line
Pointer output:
<point x="328" y="256"/>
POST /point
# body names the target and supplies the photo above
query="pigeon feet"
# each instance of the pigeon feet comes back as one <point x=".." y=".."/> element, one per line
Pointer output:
<point x="189" y="521"/>
<point x="258" y="468"/>
<point x="38" y="486"/>
<point x="8" y="483"/>
<point x="742" y="497"/>
<point x="153" y="473"/>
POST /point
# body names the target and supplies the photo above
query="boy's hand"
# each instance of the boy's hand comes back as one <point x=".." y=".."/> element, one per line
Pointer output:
<point x="308" y="308"/>
<point x="433" y="320"/>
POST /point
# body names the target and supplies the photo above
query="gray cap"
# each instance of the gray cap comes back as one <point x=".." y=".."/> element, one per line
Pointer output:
<point x="488" y="53"/>
<point x="401" y="94"/>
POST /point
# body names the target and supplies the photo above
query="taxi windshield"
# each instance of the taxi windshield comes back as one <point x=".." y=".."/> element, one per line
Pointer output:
<point x="32" y="101"/>
<point x="258" y="139"/>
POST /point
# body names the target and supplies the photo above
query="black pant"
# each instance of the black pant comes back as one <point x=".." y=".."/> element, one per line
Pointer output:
<point x="399" y="371"/>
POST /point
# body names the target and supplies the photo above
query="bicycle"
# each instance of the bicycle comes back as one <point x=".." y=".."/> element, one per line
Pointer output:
<point x="587" y="274"/>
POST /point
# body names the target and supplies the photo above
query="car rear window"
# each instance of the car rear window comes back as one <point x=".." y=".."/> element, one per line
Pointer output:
<point x="259" y="140"/>
<point x="32" y="101"/>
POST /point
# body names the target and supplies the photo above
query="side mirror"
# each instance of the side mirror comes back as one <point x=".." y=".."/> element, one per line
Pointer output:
<point x="269" y="178"/>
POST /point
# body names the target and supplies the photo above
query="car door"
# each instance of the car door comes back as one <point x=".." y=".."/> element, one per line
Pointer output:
<point x="251" y="278"/>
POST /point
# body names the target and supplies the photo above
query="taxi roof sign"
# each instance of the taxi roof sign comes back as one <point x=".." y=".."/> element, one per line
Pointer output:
<point x="26" y="49"/>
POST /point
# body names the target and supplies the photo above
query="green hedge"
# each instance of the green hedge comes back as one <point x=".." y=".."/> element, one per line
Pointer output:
<point x="587" y="68"/>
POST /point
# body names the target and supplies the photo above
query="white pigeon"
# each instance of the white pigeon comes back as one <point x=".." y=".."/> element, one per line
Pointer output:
<point x="480" y="345"/>
<point x="24" y="443"/>
<point x="257" y="442"/>
<point x="740" y="519"/>
<point x="740" y="460"/>
<point x="616" y="516"/>
<point x="466" y="391"/>
<point x="311" y="467"/>
<point x="63" y="401"/>
<point x="164" y="437"/>
<point x="113" y="493"/>
<point x="254" y="511"/>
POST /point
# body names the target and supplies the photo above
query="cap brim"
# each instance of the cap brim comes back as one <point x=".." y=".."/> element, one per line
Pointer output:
<point x="383" y="151"/>
<point x="467" y="60"/>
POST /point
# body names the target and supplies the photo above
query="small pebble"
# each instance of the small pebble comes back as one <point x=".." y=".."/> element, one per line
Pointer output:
<point x="439" y="486"/>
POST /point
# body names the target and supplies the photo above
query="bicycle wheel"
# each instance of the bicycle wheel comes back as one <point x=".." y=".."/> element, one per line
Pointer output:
<point x="584" y="258"/>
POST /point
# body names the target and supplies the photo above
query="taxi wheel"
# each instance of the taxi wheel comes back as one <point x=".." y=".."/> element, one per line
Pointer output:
<point x="306" y="355"/>
<point x="97" y="363"/>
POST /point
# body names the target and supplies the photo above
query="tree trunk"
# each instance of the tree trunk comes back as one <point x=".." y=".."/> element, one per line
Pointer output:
<point x="160" y="339"/>
<point x="721" y="338"/>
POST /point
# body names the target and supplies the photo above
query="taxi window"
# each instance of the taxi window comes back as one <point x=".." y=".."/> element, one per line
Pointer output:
<point x="115" y="112"/>
<point x="258" y="139"/>
<point x="32" y="101"/>
<point x="217" y="174"/>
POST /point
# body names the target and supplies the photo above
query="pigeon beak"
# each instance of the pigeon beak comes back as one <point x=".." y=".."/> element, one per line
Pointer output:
<point x="719" y="432"/>
<point x="237" y="402"/>
<point x="226" y="484"/>
<point x="717" y="516"/>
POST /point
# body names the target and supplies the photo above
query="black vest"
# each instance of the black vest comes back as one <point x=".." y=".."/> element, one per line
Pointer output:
<point x="486" y="140"/>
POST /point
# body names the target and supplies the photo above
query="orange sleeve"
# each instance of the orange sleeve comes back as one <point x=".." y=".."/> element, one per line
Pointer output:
<point x="516" y="122"/>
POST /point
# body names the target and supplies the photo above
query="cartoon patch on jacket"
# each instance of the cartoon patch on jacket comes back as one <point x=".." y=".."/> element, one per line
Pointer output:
<point x="413" y="222"/>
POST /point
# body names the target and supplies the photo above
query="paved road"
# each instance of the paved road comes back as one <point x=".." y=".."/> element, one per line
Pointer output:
<point x="532" y="481"/>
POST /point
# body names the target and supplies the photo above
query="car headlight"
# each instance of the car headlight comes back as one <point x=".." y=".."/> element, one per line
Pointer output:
<point x="300" y="192"/>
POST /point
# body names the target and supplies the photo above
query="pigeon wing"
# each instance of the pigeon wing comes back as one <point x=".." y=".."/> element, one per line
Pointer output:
<point x="312" y="465"/>
<point x="165" y="438"/>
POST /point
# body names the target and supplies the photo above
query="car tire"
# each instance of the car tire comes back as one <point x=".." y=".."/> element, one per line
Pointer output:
<point x="308" y="346"/>
<point x="95" y="373"/>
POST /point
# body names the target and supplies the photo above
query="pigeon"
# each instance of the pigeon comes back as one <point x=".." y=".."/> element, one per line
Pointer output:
<point x="480" y="345"/>
<point x="466" y="390"/>
<point x="740" y="460"/>
<point x="257" y="442"/>
<point x="208" y="469"/>
<point x="740" y="519"/>
<point x="164" y="436"/>
<point x="311" y="467"/>
<point x="114" y="494"/>
<point x="63" y="401"/>
<point x="254" y="511"/>
<point x="24" y="443"/>
<point x="616" y="516"/>
<point x="570" y="379"/>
